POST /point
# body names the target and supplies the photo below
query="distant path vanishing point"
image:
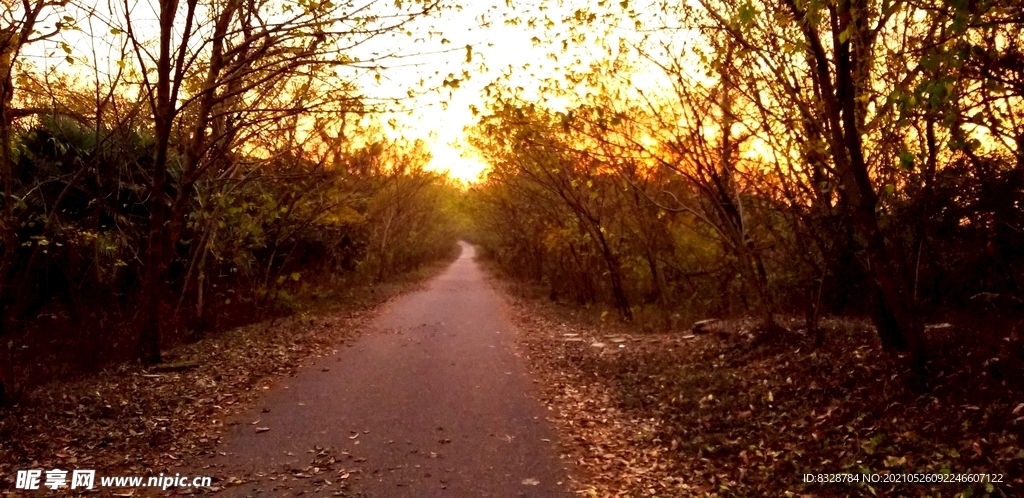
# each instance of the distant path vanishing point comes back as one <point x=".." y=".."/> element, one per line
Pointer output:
<point x="430" y="401"/>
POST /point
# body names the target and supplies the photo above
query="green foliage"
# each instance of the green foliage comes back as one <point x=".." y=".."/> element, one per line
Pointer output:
<point x="725" y="178"/>
<point x="250" y="243"/>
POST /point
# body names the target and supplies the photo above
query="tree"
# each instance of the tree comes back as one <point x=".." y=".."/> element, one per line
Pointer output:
<point x="255" y="50"/>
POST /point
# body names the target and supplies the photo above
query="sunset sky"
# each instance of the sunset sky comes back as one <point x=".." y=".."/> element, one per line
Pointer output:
<point x="440" y="117"/>
<point x="500" y="35"/>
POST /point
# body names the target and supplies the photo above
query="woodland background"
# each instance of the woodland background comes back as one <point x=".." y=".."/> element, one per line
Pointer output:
<point x="177" y="167"/>
<point x="791" y="157"/>
<point x="195" y="167"/>
<point x="205" y="163"/>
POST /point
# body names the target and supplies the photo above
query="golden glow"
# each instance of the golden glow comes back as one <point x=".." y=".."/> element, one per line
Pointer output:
<point x="504" y="43"/>
<point x="442" y="127"/>
<point x="522" y="41"/>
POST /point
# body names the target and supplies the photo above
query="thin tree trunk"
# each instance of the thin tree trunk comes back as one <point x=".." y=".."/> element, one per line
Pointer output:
<point x="615" y="273"/>
<point x="901" y="329"/>
<point x="163" y="114"/>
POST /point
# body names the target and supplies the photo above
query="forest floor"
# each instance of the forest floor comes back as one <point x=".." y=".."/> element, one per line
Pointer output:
<point x="135" y="420"/>
<point x="678" y="414"/>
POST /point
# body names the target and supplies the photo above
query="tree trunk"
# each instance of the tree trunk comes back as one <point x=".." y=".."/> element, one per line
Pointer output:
<point x="615" y="273"/>
<point x="163" y="105"/>
<point x="895" y="319"/>
<point x="152" y="287"/>
<point x="657" y="286"/>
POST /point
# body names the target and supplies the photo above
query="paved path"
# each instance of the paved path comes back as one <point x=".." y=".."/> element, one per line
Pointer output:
<point x="431" y="401"/>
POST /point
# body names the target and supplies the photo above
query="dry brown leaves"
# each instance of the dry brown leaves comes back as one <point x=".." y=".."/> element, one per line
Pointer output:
<point x="132" y="420"/>
<point x="610" y="446"/>
<point x="672" y="414"/>
<point x="325" y="474"/>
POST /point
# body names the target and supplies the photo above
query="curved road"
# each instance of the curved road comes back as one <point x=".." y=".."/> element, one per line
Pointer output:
<point x="431" y="401"/>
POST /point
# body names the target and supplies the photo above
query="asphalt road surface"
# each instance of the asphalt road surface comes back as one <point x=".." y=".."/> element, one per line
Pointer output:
<point x="431" y="401"/>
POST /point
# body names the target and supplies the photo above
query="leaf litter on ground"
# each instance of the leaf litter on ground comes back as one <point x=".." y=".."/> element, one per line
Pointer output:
<point x="130" y="420"/>
<point x="678" y="415"/>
